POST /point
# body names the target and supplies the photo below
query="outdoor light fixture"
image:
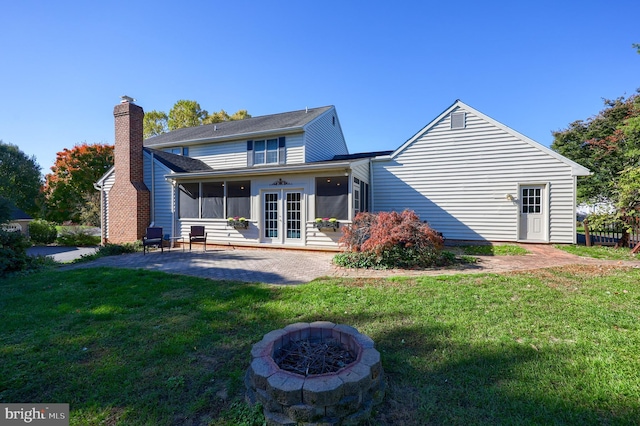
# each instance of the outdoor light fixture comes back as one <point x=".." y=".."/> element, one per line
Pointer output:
<point x="509" y="197"/>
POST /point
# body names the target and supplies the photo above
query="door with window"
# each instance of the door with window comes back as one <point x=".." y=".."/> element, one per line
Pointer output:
<point x="533" y="223"/>
<point x="282" y="217"/>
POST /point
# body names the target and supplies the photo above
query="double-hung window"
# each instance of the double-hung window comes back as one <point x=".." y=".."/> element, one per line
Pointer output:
<point x="265" y="151"/>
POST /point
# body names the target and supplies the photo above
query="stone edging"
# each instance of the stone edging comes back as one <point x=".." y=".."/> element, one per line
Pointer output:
<point x="345" y="397"/>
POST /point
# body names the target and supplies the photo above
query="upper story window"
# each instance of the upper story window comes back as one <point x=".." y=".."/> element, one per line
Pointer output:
<point x="265" y="151"/>
<point x="179" y="150"/>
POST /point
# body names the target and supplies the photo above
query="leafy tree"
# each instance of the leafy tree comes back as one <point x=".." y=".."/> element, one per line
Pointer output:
<point x="240" y="115"/>
<point x="155" y="123"/>
<point x="607" y="144"/>
<point x="219" y="117"/>
<point x="69" y="187"/>
<point x="186" y="114"/>
<point x="216" y="117"/>
<point x="20" y="178"/>
<point x="6" y="208"/>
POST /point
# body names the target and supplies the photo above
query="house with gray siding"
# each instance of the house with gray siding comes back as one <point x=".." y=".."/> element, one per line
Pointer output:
<point x="288" y="180"/>
<point x="473" y="178"/>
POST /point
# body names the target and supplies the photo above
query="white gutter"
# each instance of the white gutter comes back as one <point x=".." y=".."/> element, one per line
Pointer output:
<point x="262" y="171"/>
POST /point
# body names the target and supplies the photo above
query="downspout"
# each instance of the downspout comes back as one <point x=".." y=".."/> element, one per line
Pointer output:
<point x="103" y="214"/>
<point x="371" y="197"/>
<point x="153" y="189"/>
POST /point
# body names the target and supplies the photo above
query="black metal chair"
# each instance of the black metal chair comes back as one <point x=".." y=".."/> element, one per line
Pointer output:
<point x="198" y="235"/>
<point x="153" y="237"/>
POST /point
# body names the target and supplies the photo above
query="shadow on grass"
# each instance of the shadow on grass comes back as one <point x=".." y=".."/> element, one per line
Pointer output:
<point x="434" y="382"/>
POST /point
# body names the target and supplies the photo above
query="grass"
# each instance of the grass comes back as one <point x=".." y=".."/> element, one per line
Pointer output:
<point x="129" y="347"/>
<point x="494" y="250"/>
<point x="599" y="252"/>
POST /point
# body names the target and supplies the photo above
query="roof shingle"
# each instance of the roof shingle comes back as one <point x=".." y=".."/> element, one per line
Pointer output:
<point x="226" y="129"/>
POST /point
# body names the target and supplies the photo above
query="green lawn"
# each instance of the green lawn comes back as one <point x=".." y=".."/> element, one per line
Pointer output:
<point x="600" y="252"/>
<point x="124" y="347"/>
<point x="494" y="250"/>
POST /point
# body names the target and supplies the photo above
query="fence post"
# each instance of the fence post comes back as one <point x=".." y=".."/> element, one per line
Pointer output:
<point x="585" y="223"/>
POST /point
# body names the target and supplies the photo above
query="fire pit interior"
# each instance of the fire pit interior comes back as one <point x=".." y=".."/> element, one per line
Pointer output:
<point x="315" y="373"/>
<point x="308" y="357"/>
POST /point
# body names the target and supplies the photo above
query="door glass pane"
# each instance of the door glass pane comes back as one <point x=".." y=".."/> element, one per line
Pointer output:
<point x="271" y="215"/>
<point x="294" y="222"/>
<point x="531" y="200"/>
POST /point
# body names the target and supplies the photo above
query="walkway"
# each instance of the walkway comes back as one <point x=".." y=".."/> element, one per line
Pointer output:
<point x="296" y="266"/>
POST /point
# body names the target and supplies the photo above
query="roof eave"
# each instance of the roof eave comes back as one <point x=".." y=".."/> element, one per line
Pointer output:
<point x="288" y="169"/>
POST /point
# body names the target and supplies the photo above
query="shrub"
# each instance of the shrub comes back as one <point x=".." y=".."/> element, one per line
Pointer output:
<point x="111" y="250"/>
<point x="13" y="252"/>
<point x="118" y="249"/>
<point x="391" y="240"/>
<point x="42" y="232"/>
<point x="77" y="236"/>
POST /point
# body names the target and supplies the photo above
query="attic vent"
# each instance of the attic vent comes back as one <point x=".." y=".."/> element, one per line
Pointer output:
<point x="458" y="120"/>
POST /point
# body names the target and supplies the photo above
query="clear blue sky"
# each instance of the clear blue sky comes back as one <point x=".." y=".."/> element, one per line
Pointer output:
<point x="388" y="67"/>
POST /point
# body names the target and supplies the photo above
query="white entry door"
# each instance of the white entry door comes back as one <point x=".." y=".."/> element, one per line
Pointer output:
<point x="282" y="217"/>
<point x="533" y="223"/>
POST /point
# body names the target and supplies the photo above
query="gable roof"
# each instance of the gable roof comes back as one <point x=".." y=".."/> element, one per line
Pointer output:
<point x="179" y="163"/>
<point x="286" y="121"/>
<point x="576" y="169"/>
<point x="18" y="214"/>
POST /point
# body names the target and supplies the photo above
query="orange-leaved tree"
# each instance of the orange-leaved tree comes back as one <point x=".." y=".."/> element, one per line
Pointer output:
<point x="68" y="189"/>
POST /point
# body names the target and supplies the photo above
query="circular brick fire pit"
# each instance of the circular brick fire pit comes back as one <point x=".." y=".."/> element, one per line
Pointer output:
<point x="343" y="397"/>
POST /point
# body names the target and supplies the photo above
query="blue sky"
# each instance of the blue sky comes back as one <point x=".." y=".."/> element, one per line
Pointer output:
<point x="388" y="67"/>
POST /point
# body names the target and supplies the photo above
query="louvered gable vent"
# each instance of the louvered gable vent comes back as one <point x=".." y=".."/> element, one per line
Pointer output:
<point x="458" y="120"/>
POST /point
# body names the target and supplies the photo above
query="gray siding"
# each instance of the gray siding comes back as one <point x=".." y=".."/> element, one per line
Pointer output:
<point x="107" y="185"/>
<point x="161" y="193"/>
<point x="233" y="155"/>
<point x="221" y="155"/>
<point x="458" y="181"/>
<point x="324" y="139"/>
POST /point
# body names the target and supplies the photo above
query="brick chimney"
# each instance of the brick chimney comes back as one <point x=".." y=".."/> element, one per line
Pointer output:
<point x="129" y="198"/>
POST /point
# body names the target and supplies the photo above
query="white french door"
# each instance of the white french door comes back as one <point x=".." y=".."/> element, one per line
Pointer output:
<point x="282" y="217"/>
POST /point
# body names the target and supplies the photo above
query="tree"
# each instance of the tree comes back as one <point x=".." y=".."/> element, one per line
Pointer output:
<point x="216" y="117"/>
<point x="69" y="187"/>
<point x="222" y="115"/>
<point x="155" y="123"/>
<point x="6" y="209"/>
<point x="240" y="115"/>
<point x="20" y="178"/>
<point x="607" y="144"/>
<point x="186" y="114"/>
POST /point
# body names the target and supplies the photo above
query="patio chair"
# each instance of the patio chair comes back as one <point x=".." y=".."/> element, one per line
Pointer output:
<point x="198" y="235"/>
<point x="153" y="237"/>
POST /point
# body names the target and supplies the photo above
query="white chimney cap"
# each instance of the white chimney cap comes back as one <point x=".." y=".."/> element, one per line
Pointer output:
<point x="126" y="98"/>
